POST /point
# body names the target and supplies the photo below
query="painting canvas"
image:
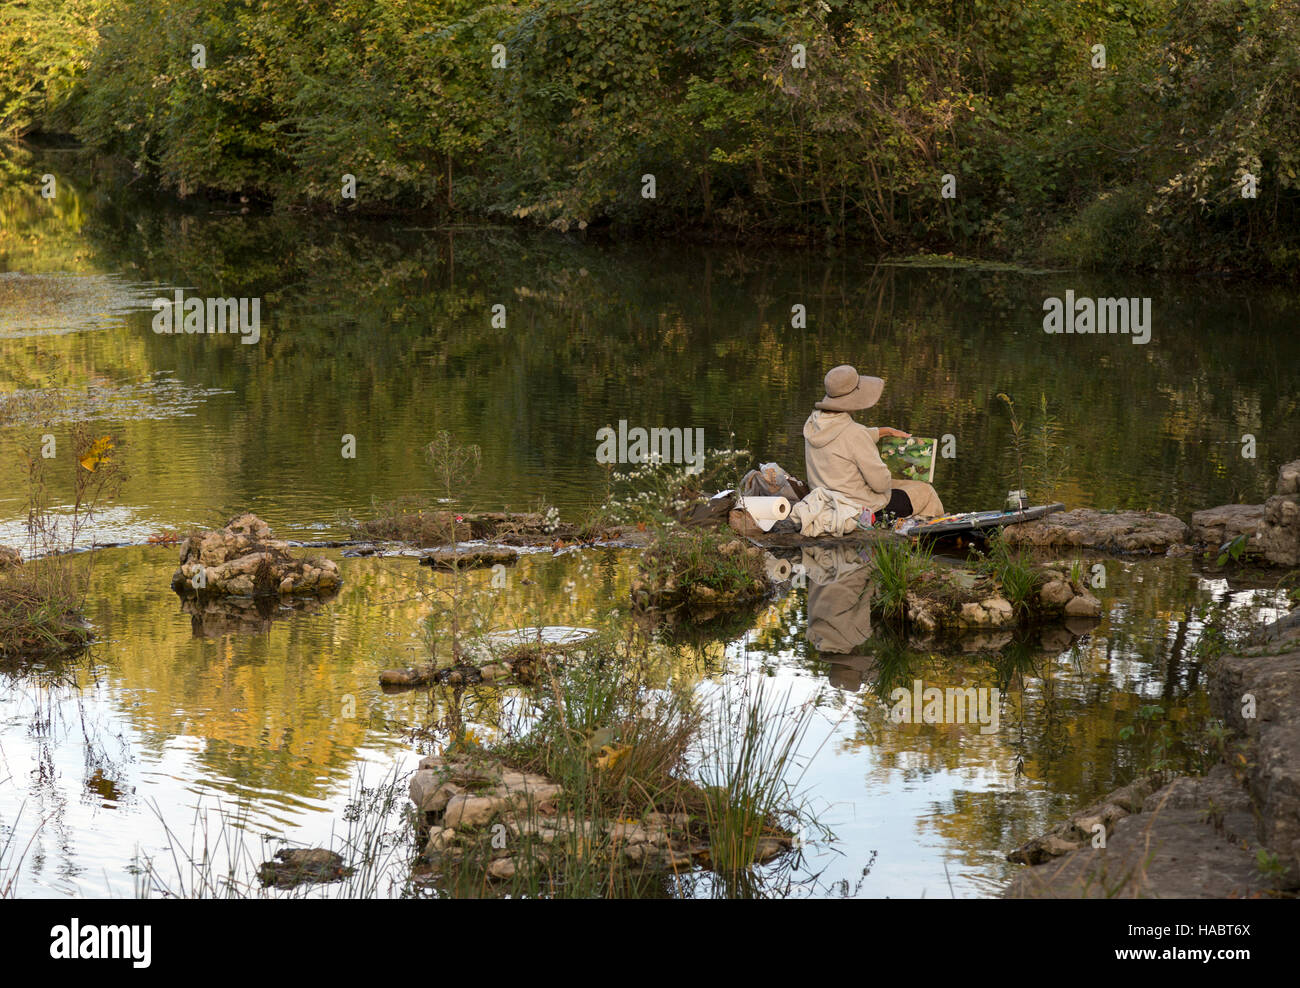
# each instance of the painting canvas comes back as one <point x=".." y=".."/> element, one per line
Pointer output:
<point x="909" y="459"/>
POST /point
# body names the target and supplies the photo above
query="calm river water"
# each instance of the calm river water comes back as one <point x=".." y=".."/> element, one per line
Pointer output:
<point x="384" y="332"/>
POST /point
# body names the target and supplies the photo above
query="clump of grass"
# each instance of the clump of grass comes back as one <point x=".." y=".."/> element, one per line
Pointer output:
<point x="1015" y="574"/>
<point x="618" y="749"/>
<point x="621" y="752"/>
<point x="605" y="735"/>
<point x="751" y="745"/>
<point x="42" y="602"/>
<point x="682" y="560"/>
<point x="1077" y="572"/>
<point x="1040" y="457"/>
<point x="897" y="565"/>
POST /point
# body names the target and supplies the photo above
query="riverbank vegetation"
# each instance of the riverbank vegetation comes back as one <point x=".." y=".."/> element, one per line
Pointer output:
<point x="43" y="599"/>
<point x="1092" y="133"/>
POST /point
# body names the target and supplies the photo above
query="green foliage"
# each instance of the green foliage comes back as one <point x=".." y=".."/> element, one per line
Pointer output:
<point x="682" y="559"/>
<point x="1135" y="162"/>
<point x="1269" y="865"/>
<point x="1012" y="572"/>
<point x="44" y="47"/>
<point x="896" y="566"/>
<point x="1040" y="457"/>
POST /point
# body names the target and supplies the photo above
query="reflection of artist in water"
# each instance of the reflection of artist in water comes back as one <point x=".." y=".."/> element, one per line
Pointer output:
<point x="839" y="597"/>
<point x="839" y="610"/>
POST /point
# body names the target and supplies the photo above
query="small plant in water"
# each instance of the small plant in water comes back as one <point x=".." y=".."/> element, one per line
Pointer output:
<point x="896" y="565"/>
<point x="751" y="742"/>
<point x="1013" y="573"/>
<point x="42" y="601"/>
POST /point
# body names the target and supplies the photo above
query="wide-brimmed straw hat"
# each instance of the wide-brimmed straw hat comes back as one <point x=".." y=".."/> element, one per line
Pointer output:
<point x="849" y="391"/>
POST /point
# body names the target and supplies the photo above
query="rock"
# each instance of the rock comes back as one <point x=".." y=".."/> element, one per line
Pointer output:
<point x="502" y="869"/>
<point x="495" y="670"/>
<point x="465" y="810"/>
<point x="677" y="820"/>
<point x="973" y="614"/>
<point x="999" y="611"/>
<point x="423" y="784"/>
<point x="1279" y="535"/>
<point x="9" y="558"/>
<point x="440" y="838"/>
<point x="628" y="833"/>
<point x="1186" y="842"/>
<point x="1265" y="681"/>
<point x="768" y="848"/>
<point x="294" y="867"/>
<point x="1084" y="605"/>
<point x="1175" y="856"/>
<point x="242" y="559"/>
<point x="405" y="679"/>
<point x="1078" y="830"/>
<point x="1055" y="594"/>
<point x="431" y="793"/>
<point x="918" y="612"/>
<point x="1288" y="478"/>
<point x="1117" y="531"/>
<point x="1215" y="526"/>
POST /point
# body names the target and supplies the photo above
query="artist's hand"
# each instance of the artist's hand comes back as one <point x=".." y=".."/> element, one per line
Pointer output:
<point x="885" y="430"/>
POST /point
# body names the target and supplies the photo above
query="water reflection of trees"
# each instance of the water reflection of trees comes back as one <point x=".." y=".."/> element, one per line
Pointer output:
<point x="694" y="336"/>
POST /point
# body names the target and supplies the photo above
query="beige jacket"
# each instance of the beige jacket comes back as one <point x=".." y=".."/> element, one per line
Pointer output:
<point x="841" y="454"/>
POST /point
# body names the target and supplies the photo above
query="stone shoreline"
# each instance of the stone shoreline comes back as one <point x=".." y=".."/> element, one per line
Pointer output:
<point x="1197" y="837"/>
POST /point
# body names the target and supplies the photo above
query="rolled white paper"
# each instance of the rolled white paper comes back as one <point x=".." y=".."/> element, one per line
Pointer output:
<point x="766" y="511"/>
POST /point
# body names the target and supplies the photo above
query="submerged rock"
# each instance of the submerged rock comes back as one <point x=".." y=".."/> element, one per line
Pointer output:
<point x="242" y="559"/>
<point x="1080" y="829"/>
<point x="1087" y="528"/>
<point x="476" y="558"/>
<point x="295" y="867"/>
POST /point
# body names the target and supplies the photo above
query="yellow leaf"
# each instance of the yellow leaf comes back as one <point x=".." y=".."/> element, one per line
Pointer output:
<point x="612" y="754"/>
<point x="98" y="453"/>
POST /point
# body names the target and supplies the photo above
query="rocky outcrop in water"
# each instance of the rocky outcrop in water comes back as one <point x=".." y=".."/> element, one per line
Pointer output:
<point x="1215" y="526"/>
<point x="1232" y="833"/>
<point x="461" y="797"/>
<point x="1271" y="529"/>
<point x="243" y="560"/>
<point x="1257" y="694"/>
<point x="1190" y="839"/>
<point x="1108" y="531"/>
<point x="1279" y="534"/>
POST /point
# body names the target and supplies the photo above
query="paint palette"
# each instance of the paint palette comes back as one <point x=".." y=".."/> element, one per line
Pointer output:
<point x="971" y="521"/>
